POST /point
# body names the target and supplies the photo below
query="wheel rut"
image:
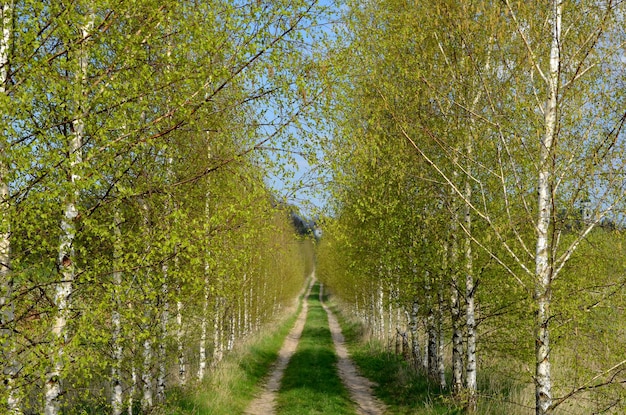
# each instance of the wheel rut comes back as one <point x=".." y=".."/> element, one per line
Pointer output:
<point x="265" y="404"/>
<point x="359" y="387"/>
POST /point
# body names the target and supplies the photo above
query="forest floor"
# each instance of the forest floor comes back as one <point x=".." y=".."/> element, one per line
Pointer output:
<point x="358" y="387"/>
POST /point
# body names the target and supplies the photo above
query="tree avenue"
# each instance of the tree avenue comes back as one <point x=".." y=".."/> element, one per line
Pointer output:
<point x="476" y="160"/>
<point x="477" y="168"/>
<point x="139" y="241"/>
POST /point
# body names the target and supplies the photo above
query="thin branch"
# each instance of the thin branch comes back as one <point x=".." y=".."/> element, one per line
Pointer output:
<point x="531" y="54"/>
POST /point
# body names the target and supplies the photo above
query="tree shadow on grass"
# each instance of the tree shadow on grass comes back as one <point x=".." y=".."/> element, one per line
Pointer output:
<point x="311" y="384"/>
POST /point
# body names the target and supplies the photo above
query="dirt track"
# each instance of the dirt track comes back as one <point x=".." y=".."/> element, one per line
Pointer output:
<point x="265" y="404"/>
<point x="360" y="388"/>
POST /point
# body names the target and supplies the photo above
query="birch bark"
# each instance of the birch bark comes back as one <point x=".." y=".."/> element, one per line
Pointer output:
<point x="470" y="295"/>
<point x="441" y="369"/>
<point x="66" y="255"/>
<point x="231" y="332"/>
<point x="455" y="304"/>
<point x="165" y="311"/>
<point x="470" y="373"/>
<point x="162" y="369"/>
<point x="207" y="288"/>
<point x="7" y="306"/>
<point x="218" y="327"/>
<point x="146" y="372"/>
<point x="116" y="322"/>
<point x="415" y="345"/>
<point x="133" y="388"/>
<point x="182" y="364"/>
<point x="543" y="265"/>
<point x="431" y="332"/>
<point x="203" y="325"/>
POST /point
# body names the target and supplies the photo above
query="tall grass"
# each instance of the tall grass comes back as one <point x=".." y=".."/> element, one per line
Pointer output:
<point x="229" y="388"/>
<point x="407" y="391"/>
<point x="399" y="386"/>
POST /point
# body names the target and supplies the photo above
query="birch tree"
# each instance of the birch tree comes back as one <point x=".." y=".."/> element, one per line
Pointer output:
<point x="66" y="256"/>
<point x="506" y="103"/>
<point x="7" y="307"/>
<point x="97" y="99"/>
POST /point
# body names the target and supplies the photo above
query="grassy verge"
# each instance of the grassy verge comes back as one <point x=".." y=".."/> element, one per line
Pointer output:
<point x="311" y="384"/>
<point x="230" y="387"/>
<point x="402" y="389"/>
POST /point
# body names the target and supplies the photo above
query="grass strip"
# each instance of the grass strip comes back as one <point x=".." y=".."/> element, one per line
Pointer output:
<point x="229" y="388"/>
<point x="311" y="384"/>
<point x="403" y="390"/>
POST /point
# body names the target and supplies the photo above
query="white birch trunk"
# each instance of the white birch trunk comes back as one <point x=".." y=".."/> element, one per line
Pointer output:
<point x="543" y="266"/>
<point x="231" y="333"/>
<point x="218" y="326"/>
<point x="162" y="341"/>
<point x="380" y="312"/>
<point x="7" y="308"/>
<point x="430" y="358"/>
<point x="239" y="316"/>
<point x="455" y="306"/>
<point x="246" y="306"/>
<point x="133" y="388"/>
<point x="433" y="343"/>
<point x="146" y="372"/>
<point x="66" y="256"/>
<point x="470" y="373"/>
<point x="162" y="369"/>
<point x="257" y="308"/>
<point x="440" y="341"/>
<point x="203" y="326"/>
<point x="265" y="297"/>
<point x="202" y="364"/>
<point x="182" y="364"/>
<point x="116" y="323"/>
<point x="146" y="375"/>
<point x="413" y="325"/>
<point x="250" y="299"/>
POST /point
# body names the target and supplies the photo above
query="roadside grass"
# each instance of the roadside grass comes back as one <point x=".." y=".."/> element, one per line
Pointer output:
<point x="403" y="390"/>
<point x="311" y="384"/>
<point x="230" y="387"/>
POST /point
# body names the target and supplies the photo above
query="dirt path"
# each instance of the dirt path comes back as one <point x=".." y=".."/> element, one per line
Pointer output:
<point x="265" y="404"/>
<point x="360" y="388"/>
